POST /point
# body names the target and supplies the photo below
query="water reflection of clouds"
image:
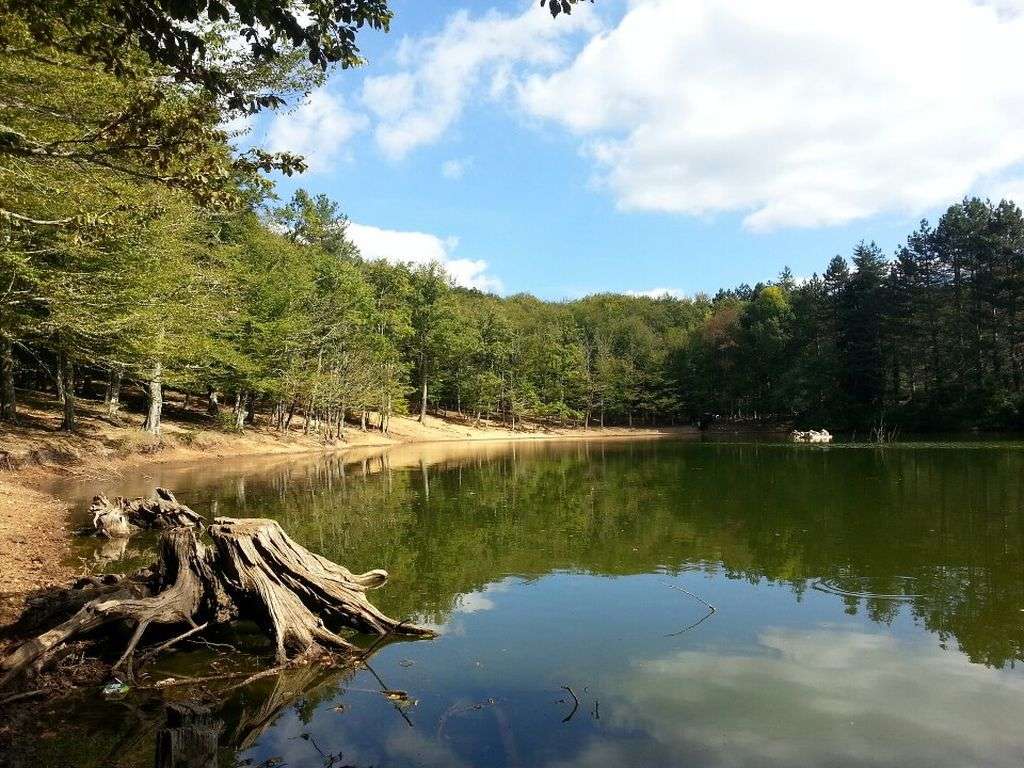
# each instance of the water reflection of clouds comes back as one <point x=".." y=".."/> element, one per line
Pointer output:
<point x="408" y="746"/>
<point x="826" y="696"/>
<point x="820" y="697"/>
<point x="474" y="602"/>
<point x="467" y="603"/>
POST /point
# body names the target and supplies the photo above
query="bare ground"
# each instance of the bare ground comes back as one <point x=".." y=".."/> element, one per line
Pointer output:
<point x="33" y="543"/>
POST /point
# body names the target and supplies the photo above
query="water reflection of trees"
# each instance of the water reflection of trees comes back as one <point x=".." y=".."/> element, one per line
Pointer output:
<point x="125" y="733"/>
<point x="865" y="520"/>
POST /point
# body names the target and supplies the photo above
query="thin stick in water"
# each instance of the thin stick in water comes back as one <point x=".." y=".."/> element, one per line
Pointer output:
<point x="575" y="704"/>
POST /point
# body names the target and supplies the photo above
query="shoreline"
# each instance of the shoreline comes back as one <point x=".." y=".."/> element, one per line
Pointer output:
<point x="35" y="533"/>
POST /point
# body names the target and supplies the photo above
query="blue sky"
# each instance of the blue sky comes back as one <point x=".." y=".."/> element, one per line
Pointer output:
<point x="683" y="145"/>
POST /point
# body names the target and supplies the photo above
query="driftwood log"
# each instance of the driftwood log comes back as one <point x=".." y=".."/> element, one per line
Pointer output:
<point x="253" y="570"/>
<point x="121" y="517"/>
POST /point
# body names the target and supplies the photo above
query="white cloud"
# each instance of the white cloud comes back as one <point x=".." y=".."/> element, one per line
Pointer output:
<point x="422" y="248"/>
<point x="1005" y="7"/>
<point x="797" y="113"/>
<point x="1007" y="189"/>
<point x="456" y="169"/>
<point x="318" y="129"/>
<point x="440" y="73"/>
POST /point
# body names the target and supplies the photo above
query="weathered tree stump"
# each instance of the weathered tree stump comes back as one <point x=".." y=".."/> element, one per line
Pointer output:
<point x="120" y="517"/>
<point x="295" y="588"/>
<point x="253" y="570"/>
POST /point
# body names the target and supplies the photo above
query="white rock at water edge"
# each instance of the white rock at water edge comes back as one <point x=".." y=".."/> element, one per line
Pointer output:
<point x="812" y="436"/>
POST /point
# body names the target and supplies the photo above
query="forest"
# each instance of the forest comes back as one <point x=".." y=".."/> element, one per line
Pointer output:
<point x="141" y="250"/>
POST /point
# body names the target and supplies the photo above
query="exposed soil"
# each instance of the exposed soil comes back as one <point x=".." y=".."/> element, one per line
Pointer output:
<point x="33" y="544"/>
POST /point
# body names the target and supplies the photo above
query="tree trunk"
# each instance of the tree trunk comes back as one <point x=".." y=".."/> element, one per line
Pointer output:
<point x="240" y="412"/>
<point x="155" y="397"/>
<point x="8" y="400"/>
<point x="212" y="402"/>
<point x="59" y="379"/>
<point x="423" y="402"/>
<point x="67" y="371"/>
<point x="362" y="421"/>
<point x="308" y="417"/>
<point x="112" y="398"/>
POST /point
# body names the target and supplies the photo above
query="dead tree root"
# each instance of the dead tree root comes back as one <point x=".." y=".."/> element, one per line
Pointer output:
<point x="251" y="570"/>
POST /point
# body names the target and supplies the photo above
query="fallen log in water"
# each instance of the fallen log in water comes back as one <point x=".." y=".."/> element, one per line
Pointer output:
<point x="252" y="570"/>
<point x="119" y="518"/>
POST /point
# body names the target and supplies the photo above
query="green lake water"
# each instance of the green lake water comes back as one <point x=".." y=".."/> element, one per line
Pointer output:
<point x="869" y="608"/>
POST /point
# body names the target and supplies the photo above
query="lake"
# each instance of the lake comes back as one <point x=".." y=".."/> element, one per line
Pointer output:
<point x="867" y="608"/>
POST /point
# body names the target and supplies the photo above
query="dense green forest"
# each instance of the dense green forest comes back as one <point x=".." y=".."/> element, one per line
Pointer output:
<point x="140" y="249"/>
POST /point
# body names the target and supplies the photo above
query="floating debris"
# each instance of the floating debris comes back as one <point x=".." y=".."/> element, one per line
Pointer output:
<point x="399" y="698"/>
<point x="115" y="688"/>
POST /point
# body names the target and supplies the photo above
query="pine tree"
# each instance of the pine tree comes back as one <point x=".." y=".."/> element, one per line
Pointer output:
<point x="862" y="308"/>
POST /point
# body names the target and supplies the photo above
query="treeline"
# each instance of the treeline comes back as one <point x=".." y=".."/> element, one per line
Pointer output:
<point x="139" y="248"/>
<point x="932" y="338"/>
<point x="275" y="311"/>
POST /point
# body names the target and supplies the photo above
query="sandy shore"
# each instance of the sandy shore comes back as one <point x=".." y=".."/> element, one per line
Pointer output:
<point x="34" y="527"/>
